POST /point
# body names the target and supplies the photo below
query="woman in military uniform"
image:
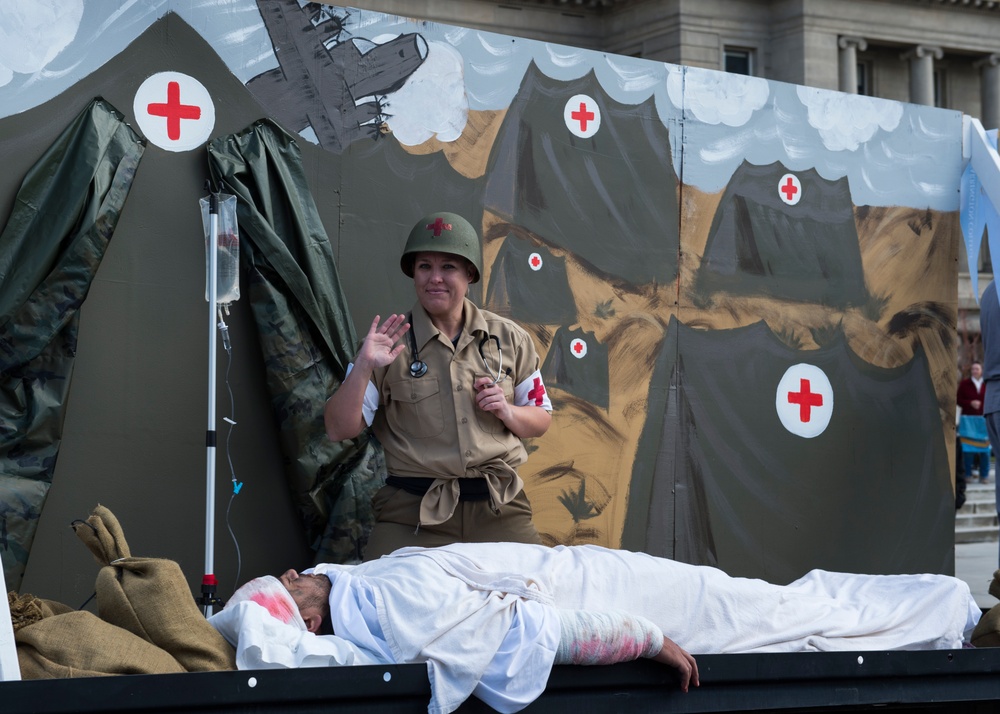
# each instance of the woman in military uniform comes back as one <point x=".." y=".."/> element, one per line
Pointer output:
<point x="450" y="391"/>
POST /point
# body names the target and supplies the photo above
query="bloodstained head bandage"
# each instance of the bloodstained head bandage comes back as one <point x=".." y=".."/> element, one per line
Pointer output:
<point x="269" y="593"/>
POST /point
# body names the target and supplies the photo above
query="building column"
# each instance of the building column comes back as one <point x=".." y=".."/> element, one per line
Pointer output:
<point x="921" y="60"/>
<point x="989" y="90"/>
<point x="848" y="62"/>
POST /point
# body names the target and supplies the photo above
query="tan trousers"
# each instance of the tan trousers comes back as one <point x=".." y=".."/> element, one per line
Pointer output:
<point x="397" y="513"/>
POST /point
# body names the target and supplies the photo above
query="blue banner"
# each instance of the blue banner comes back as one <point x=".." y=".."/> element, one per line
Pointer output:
<point x="977" y="214"/>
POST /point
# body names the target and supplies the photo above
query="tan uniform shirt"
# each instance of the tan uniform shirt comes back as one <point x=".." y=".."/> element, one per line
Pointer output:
<point x="430" y="426"/>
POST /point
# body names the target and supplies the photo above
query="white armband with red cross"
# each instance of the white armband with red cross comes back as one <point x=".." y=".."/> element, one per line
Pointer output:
<point x="532" y="392"/>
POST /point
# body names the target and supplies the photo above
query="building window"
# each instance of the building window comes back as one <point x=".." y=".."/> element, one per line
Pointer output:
<point x="865" y="79"/>
<point x="738" y="60"/>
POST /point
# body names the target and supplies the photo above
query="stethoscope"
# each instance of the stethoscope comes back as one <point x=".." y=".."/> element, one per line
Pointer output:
<point x="418" y="368"/>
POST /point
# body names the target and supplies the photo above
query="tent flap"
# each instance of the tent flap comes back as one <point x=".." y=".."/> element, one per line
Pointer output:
<point x="305" y="332"/>
<point x="51" y="247"/>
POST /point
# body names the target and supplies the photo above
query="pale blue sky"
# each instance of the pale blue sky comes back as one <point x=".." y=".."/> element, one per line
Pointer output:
<point x="892" y="153"/>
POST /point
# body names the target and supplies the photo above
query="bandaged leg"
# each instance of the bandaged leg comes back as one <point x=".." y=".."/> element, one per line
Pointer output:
<point x="605" y="637"/>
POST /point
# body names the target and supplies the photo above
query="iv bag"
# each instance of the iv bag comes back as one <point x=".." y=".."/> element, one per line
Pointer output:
<point x="228" y="265"/>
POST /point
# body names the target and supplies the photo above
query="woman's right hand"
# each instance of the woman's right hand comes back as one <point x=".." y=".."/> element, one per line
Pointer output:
<point x="343" y="414"/>
<point x="380" y="347"/>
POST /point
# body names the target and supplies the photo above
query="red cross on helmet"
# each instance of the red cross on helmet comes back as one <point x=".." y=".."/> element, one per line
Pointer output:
<point x="443" y="232"/>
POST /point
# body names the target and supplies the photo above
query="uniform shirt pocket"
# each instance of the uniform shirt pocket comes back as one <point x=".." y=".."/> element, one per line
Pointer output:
<point x="414" y="407"/>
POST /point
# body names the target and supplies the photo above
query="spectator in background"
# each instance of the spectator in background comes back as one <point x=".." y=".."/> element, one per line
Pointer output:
<point x="975" y="449"/>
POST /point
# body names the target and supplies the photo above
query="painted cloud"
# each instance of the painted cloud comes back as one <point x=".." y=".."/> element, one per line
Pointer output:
<point x="33" y="32"/>
<point x="432" y="103"/>
<point x="716" y="97"/>
<point x="845" y="121"/>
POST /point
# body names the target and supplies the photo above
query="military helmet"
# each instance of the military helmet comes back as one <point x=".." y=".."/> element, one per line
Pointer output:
<point x="443" y="232"/>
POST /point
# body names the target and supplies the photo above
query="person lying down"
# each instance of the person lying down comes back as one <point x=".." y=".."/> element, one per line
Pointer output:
<point x="490" y="619"/>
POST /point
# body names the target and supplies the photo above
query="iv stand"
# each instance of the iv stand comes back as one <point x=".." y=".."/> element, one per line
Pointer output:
<point x="209" y="583"/>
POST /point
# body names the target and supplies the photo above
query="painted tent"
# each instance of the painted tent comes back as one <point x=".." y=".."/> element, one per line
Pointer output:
<point x="798" y="242"/>
<point x="742" y="483"/>
<point x="744" y="307"/>
<point x="562" y="153"/>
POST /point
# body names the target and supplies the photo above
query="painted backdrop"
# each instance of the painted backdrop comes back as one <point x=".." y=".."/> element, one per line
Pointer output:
<point x="743" y="291"/>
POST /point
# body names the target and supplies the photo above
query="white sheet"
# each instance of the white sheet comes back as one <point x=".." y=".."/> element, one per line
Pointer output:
<point x="482" y="615"/>
<point x="706" y="611"/>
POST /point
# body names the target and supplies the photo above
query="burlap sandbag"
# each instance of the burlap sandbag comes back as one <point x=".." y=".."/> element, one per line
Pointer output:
<point x="103" y="536"/>
<point x="27" y="609"/>
<point x="987" y="632"/>
<point x="80" y="644"/>
<point x="150" y="598"/>
<point x="147" y="622"/>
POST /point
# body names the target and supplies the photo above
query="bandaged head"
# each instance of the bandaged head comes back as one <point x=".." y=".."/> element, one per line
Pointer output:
<point x="269" y="593"/>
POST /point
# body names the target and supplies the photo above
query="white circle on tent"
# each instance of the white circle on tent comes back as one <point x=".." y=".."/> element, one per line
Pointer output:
<point x="578" y="348"/>
<point x="535" y="261"/>
<point x="174" y="111"/>
<point x="790" y="189"/>
<point x="804" y="400"/>
<point x="582" y="116"/>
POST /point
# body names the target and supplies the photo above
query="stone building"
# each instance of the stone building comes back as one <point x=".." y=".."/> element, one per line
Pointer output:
<point x="944" y="53"/>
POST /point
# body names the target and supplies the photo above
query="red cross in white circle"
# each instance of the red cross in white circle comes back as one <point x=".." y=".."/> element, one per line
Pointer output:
<point x="806" y="399"/>
<point x="578" y="348"/>
<point x="535" y="261"/>
<point x="174" y="111"/>
<point x="790" y="189"/>
<point x="583" y="115"/>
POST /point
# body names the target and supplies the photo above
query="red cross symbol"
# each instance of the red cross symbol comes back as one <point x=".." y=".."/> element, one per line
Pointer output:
<point x="806" y="400"/>
<point x="790" y="189"/>
<point x="538" y="392"/>
<point x="583" y="116"/>
<point x="437" y="226"/>
<point x="578" y="347"/>
<point x="174" y="111"/>
<point x="536" y="261"/>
